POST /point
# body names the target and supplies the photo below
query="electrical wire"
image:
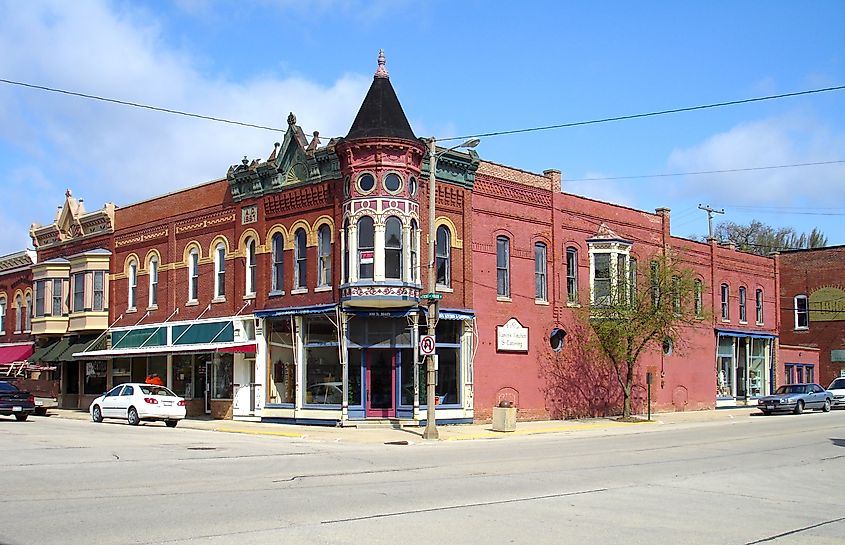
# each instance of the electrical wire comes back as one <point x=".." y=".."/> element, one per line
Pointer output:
<point x="745" y="169"/>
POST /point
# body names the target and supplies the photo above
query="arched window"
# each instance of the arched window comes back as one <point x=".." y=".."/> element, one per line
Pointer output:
<point x="572" y="275"/>
<point x="220" y="271"/>
<point x="540" y="284"/>
<point x="725" y="295"/>
<point x="278" y="249"/>
<point x="699" y="297"/>
<point x="802" y="312"/>
<point x="347" y="239"/>
<point x="18" y="313"/>
<point x="393" y="248"/>
<point x="414" y="251"/>
<point x="133" y="285"/>
<point x="743" y="317"/>
<point x="249" y="288"/>
<point x="29" y="311"/>
<point x="301" y="271"/>
<point x="503" y="266"/>
<point x="366" y="248"/>
<point x="153" y="302"/>
<point x="324" y="256"/>
<point x="676" y="294"/>
<point x="3" y="315"/>
<point x="193" y="274"/>
<point x="758" y="298"/>
<point x="443" y="258"/>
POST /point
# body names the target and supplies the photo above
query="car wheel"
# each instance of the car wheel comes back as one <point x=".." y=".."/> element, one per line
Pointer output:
<point x="767" y="413"/>
<point x="171" y="423"/>
<point x="826" y="406"/>
<point x="132" y="417"/>
<point x="799" y="407"/>
<point x="96" y="414"/>
<point x="22" y="417"/>
<point x="40" y="411"/>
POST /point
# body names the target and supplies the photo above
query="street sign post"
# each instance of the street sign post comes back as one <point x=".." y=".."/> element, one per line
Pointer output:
<point x="433" y="296"/>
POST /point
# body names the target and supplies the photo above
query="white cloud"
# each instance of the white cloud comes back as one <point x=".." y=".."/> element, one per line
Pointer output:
<point x="106" y="152"/>
<point x="789" y="139"/>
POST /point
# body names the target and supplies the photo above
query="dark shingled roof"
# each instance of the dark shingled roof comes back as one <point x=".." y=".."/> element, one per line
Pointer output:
<point x="381" y="115"/>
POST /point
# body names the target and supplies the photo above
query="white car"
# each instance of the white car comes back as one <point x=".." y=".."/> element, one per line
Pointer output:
<point x="837" y="388"/>
<point x="136" y="402"/>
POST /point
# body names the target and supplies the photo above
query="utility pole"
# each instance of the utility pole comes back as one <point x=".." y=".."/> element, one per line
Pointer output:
<point x="710" y="211"/>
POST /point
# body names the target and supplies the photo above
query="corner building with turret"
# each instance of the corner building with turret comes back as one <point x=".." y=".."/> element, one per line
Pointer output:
<point x="294" y="289"/>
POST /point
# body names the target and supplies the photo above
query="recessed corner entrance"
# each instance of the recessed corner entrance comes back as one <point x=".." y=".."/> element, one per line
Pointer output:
<point x="381" y="383"/>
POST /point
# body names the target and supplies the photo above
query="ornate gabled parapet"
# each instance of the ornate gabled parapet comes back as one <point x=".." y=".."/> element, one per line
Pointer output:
<point x="73" y="222"/>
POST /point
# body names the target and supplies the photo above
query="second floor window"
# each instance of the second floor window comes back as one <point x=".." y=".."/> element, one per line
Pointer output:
<point x="676" y="294"/>
<point x="133" y="284"/>
<point x="2" y="316"/>
<point x="572" y="275"/>
<point x="802" y="312"/>
<point x="57" y="297"/>
<point x="278" y="250"/>
<point x="193" y="274"/>
<point x="40" y="289"/>
<point x="601" y="279"/>
<point x="29" y="311"/>
<point x="698" y="294"/>
<point x="100" y="290"/>
<point x="19" y="311"/>
<point x="503" y="266"/>
<point x="414" y="251"/>
<point x="725" y="296"/>
<point x="540" y="284"/>
<point x="324" y="256"/>
<point x="300" y="279"/>
<point x="78" y="292"/>
<point x="743" y="317"/>
<point x="443" y="261"/>
<point x="758" y="298"/>
<point x="366" y="248"/>
<point x="393" y="248"/>
<point x="220" y="271"/>
<point x="251" y="265"/>
<point x="153" y="282"/>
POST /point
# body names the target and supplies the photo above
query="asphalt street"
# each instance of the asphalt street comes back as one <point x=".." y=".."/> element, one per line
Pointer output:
<point x="747" y="480"/>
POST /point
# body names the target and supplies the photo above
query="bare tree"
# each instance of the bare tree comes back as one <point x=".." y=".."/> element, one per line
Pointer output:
<point x="761" y="239"/>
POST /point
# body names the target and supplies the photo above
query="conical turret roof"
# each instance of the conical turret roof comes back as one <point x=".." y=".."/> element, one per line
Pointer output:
<point x="381" y="114"/>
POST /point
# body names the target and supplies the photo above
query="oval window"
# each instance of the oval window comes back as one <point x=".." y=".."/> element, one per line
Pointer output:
<point x="412" y="185"/>
<point x="392" y="182"/>
<point x="346" y="187"/>
<point x="556" y="339"/>
<point x="366" y="182"/>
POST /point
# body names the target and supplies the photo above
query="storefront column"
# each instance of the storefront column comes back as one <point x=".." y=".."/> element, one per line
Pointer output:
<point x="353" y="252"/>
<point x="344" y="364"/>
<point x="378" y="249"/>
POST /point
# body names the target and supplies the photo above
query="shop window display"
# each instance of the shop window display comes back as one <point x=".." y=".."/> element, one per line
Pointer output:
<point x="222" y="376"/>
<point x="724" y="377"/>
<point x="353" y="397"/>
<point x="121" y="371"/>
<point x="407" y="370"/>
<point x="757" y="370"/>
<point x="323" y="374"/>
<point x="283" y="384"/>
<point x="183" y="383"/>
<point x="95" y="378"/>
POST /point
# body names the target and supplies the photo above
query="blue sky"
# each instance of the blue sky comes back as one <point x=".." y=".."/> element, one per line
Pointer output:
<point x="458" y="68"/>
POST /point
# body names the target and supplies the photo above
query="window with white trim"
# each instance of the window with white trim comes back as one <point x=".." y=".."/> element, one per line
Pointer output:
<point x="802" y="312"/>
<point x="611" y="282"/>
<point x="366" y="248"/>
<point x="541" y="289"/>
<point x="29" y="311"/>
<point x="414" y="250"/>
<point x="18" y="313"/>
<point x="250" y="277"/>
<point x="132" y="284"/>
<point x="503" y="266"/>
<point x="153" y="295"/>
<point x="698" y="294"/>
<point x="58" y="289"/>
<point x="324" y="256"/>
<point x="40" y="297"/>
<point x="78" y="280"/>
<point x="442" y="257"/>
<point x="193" y="275"/>
<point x="743" y="316"/>
<point x="758" y="298"/>
<point x="219" y="271"/>
<point x="725" y="294"/>
<point x="300" y="277"/>
<point x="2" y="315"/>
<point x="572" y="275"/>
<point x="393" y="248"/>
<point x="278" y="250"/>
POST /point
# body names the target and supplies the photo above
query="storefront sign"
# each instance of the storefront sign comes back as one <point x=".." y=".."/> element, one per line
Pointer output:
<point x="512" y="337"/>
<point x="827" y="305"/>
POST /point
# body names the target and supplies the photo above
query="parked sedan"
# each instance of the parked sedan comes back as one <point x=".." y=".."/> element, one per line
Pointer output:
<point x="795" y="398"/>
<point x="14" y="401"/>
<point x="136" y="402"/>
<point x="837" y="388"/>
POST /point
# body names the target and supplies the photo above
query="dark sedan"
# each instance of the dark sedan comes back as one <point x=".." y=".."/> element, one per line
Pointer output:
<point x="14" y="401"/>
<point x="795" y="398"/>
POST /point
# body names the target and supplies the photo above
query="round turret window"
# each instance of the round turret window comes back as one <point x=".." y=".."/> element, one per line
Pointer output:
<point x="392" y="182"/>
<point x="366" y="182"/>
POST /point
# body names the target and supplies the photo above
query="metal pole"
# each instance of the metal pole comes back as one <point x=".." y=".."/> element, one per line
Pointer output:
<point x="430" y="422"/>
<point x="710" y="211"/>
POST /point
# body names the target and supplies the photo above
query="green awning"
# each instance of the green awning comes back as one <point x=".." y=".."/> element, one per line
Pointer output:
<point x="79" y="346"/>
<point x="50" y="352"/>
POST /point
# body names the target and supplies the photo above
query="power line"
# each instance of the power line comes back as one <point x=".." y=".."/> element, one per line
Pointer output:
<point x="139" y="105"/>
<point x="746" y="169"/>
<point x="648" y="114"/>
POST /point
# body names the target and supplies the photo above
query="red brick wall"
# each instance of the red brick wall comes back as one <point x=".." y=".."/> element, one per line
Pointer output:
<point x="12" y="284"/>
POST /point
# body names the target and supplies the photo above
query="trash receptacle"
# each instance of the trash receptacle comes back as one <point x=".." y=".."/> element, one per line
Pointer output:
<point x="504" y="417"/>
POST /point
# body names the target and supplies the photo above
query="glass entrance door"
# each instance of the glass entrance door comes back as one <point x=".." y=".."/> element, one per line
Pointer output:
<point x="381" y="383"/>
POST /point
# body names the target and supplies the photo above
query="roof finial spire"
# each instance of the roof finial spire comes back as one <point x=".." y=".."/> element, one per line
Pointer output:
<point x="382" y="71"/>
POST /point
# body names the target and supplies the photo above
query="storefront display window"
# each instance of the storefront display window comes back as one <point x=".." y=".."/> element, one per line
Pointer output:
<point x="323" y="373"/>
<point x="222" y="376"/>
<point x="183" y="383"/>
<point x="157" y="365"/>
<point x="448" y="376"/>
<point x="283" y="371"/>
<point x="724" y="377"/>
<point x="353" y="397"/>
<point x="121" y="371"/>
<point x="757" y="384"/>
<point x="95" y="377"/>
<point x="407" y="367"/>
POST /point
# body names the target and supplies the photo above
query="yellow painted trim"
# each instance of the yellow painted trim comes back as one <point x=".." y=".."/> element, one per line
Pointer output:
<point x="310" y="239"/>
<point x="443" y="220"/>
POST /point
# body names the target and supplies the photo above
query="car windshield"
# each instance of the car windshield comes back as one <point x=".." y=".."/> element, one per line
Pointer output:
<point x="838" y="384"/>
<point x="792" y="389"/>
<point x="6" y="387"/>
<point x="152" y="390"/>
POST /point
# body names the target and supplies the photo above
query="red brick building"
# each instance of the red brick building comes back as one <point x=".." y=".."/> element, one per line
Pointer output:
<point x="812" y="301"/>
<point x="16" y="344"/>
<point x="291" y="290"/>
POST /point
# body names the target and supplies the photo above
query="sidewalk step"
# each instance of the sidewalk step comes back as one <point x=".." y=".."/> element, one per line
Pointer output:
<point x="381" y="424"/>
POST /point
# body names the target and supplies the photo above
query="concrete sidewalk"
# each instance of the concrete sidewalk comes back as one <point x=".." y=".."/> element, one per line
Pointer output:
<point x="462" y="432"/>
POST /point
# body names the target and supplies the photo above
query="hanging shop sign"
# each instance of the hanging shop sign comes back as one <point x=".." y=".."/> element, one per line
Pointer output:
<point x="512" y="337"/>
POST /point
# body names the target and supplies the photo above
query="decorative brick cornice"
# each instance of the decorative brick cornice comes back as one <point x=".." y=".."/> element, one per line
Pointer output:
<point x="153" y="233"/>
<point x="450" y="198"/>
<point x="300" y="198"/>
<point x="204" y="222"/>
<point x="515" y="175"/>
<point x="512" y="192"/>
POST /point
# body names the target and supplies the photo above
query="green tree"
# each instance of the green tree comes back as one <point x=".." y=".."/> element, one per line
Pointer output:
<point x="644" y="316"/>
